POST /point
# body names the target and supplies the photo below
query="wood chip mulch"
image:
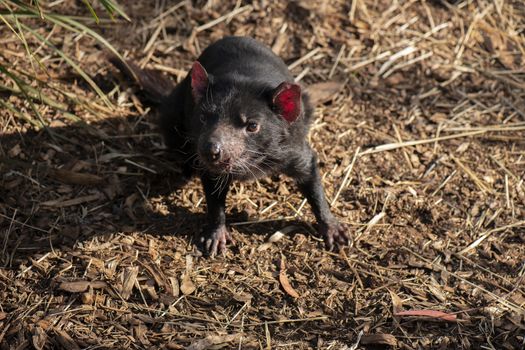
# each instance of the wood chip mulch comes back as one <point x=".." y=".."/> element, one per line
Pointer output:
<point x="420" y="131"/>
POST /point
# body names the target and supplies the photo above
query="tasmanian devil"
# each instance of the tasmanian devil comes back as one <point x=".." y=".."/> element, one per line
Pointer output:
<point x="239" y="115"/>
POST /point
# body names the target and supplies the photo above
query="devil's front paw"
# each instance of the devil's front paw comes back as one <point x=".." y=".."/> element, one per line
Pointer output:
<point x="214" y="239"/>
<point x="334" y="234"/>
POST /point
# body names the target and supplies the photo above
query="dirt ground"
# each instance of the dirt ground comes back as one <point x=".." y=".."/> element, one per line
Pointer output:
<point x="421" y="139"/>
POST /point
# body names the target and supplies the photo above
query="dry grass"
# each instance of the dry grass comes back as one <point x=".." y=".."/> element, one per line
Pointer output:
<point x="423" y="156"/>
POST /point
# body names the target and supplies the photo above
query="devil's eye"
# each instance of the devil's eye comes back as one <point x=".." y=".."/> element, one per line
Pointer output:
<point x="252" y="127"/>
<point x="209" y="118"/>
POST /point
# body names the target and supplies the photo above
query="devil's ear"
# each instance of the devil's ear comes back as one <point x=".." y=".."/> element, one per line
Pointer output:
<point x="286" y="101"/>
<point x="199" y="81"/>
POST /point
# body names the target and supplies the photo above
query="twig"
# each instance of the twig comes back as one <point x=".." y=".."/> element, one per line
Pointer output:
<point x="486" y="235"/>
<point x="345" y="179"/>
<point x="497" y="298"/>
<point x="308" y="319"/>
<point x="231" y="14"/>
<point x="304" y="58"/>
<point x="393" y="146"/>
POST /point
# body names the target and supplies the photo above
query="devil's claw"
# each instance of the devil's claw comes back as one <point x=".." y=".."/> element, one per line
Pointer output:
<point x="214" y="240"/>
<point x="334" y="234"/>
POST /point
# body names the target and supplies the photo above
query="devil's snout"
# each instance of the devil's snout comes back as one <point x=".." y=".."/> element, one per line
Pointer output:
<point x="214" y="151"/>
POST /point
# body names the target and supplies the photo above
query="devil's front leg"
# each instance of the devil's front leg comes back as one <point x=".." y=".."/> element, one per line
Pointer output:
<point x="306" y="174"/>
<point x="215" y="235"/>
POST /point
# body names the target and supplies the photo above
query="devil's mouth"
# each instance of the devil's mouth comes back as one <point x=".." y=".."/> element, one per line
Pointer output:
<point x="221" y="166"/>
<point x="225" y="165"/>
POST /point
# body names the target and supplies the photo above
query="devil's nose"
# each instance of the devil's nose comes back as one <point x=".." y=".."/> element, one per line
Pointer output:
<point x="214" y="150"/>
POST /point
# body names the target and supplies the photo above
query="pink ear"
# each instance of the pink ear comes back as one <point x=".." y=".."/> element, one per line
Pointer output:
<point x="199" y="81"/>
<point x="287" y="101"/>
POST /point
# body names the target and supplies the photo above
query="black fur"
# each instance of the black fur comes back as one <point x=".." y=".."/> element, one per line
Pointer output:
<point x="243" y="77"/>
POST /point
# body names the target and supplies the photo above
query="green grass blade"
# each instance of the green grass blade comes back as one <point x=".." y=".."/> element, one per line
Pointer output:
<point x="79" y="70"/>
<point x="27" y="97"/>
<point x="24" y="41"/>
<point x="12" y="14"/>
<point x="112" y="7"/>
<point x="35" y="95"/>
<point x="2" y="17"/>
<point x="37" y="5"/>
<point x="72" y="97"/>
<point x="81" y="28"/>
<point x="92" y="10"/>
<point x="7" y="105"/>
<point x="21" y="37"/>
<point x="29" y="14"/>
<point x="76" y="26"/>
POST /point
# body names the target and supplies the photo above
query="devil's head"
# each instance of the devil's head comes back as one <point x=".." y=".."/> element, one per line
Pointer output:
<point x="243" y="123"/>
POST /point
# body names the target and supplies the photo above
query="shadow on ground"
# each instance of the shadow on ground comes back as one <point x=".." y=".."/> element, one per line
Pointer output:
<point x="62" y="185"/>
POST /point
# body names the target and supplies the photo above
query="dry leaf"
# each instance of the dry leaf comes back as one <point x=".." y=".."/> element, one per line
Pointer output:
<point x="275" y="237"/>
<point x="15" y="151"/>
<point x="129" y="276"/>
<point x="81" y="286"/>
<point x="65" y="340"/>
<point x="174" y="346"/>
<point x="74" y="178"/>
<point x="323" y="92"/>
<point x="139" y="332"/>
<point x="213" y="340"/>
<point x="153" y="250"/>
<point x="38" y="338"/>
<point x="434" y="289"/>
<point x="279" y="43"/>
<point x="264" y="247"/>
<point x="499" y="44"/>
<point x="74" y="287"/>
<point x="395" y="79"/>
<point x="130" y="200"/>
<point x="187" y="287"/>
<point x="158" y="275"/>
<point x="44" y="324"/>
<point x="87" y="298"/>
<point x="397" y="304"/>
<point x="174" y="284"/>
<point x="385" y="339"/>
<point x="151" y="292"/>
<point x="429" y="313"/>
<point x="285" y="283"/>
<point x="98" y="284"/>
<point x="243" y="297"/>
<point x="71" y="202"/>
